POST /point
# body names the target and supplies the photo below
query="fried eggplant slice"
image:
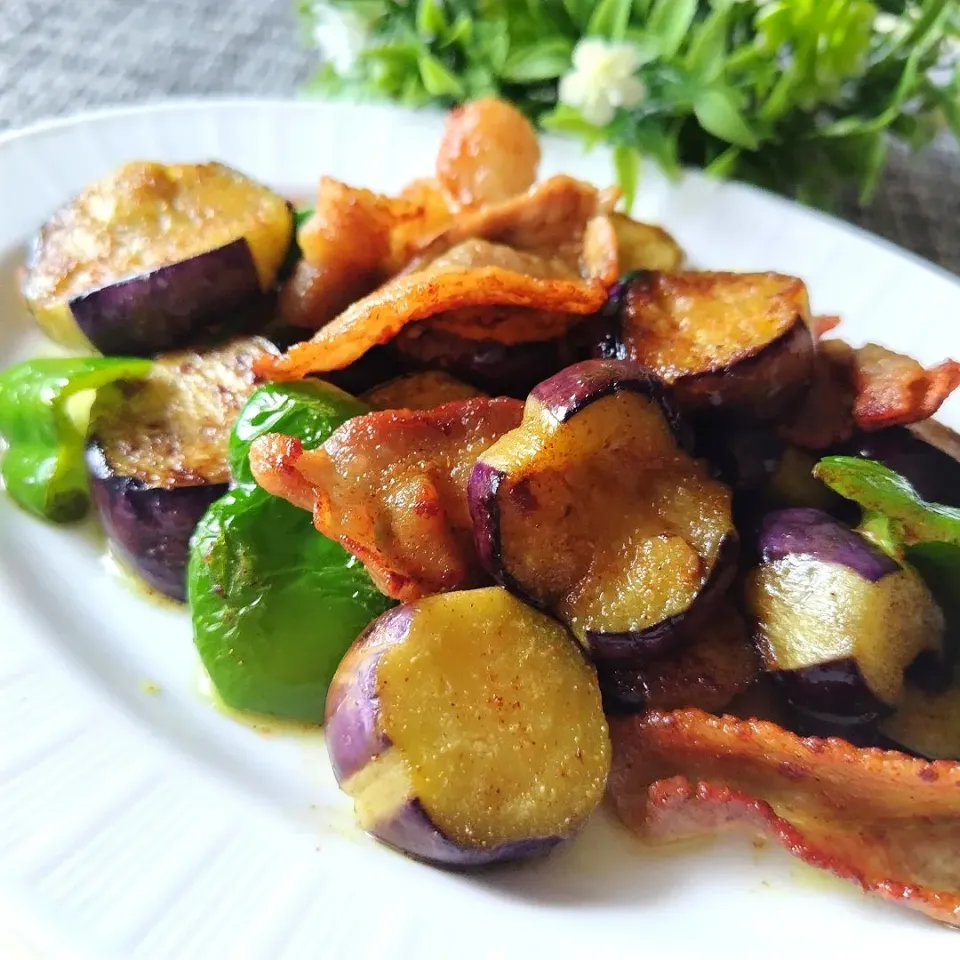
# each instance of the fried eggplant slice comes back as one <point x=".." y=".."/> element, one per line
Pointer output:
<point x="468" y="728"/>
<point x="152" y="258"/>
<point x="391" y="487"/>
<point x="888" y="822"/>
<point x="592" y="510"/>
<point x="644" y="246"/>
<point x="738" y="341"/>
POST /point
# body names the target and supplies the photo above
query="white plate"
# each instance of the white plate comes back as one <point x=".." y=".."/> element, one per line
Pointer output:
<point x="137" y="824"/>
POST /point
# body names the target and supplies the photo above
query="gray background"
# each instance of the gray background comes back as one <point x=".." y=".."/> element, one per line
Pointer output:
<point x="60" y="56"/>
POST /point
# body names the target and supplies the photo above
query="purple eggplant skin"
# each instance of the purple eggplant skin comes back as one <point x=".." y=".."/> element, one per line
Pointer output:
<point x="564" y="395"/>
<point x="640" y="647"/>
<point x="509" y="370"/>
<point x="806" y="531"/>
<point x="834" y="694"/>
<point x="780" y="373"/>
<point x="483" y="489"/>
<point x="149" y="527"/>
<point x="351" y="713"/>
<point x="180" y="304"/>
<point x="411" y="831"/>
<point x="814" y="692"/>
<point x="354" y="739"/>
<point x="575" y="388"/>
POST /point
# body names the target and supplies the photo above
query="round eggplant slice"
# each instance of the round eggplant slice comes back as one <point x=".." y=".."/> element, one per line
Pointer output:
<point x="155" y="257"/>
<point x="510" y="370"/>
<point x="837" y="620"/>
<point x="468" y="729"/>
<point x="736" y="341"/>
<point x="157" y="456"/>
<point x="592" y="510"/>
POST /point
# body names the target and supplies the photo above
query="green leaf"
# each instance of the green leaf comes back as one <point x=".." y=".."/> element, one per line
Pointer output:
<point x="626" y="164"/>
<point x="708" y="46"/>
<point x="925" y="25"/>
<point x="540" y="61"/>
<point x="717" y="114"/>
<point x="43" y="468"/>
<point x="724" y="164"/>
<point x="780" y="99"/>
<point x="431" y="19"/>
<point x="579" y="12"/>
<point x="610" y="19"/>
<point x="491" y="42"/>
<point x="876" y="161"/>
<point x="459" y="33"/>
<point x="564" y="119"/>
<point x="860" y="125"/>
<point x="646" y="48"/>
<point x="412" y="92"/>
<point x="669" y="22"/>
<point x="879" y="489"/>
<point x="437" y="79"/>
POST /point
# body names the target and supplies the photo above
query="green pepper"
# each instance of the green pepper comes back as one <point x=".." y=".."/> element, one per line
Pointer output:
<point x="896" y="518"/>
<point x="880" y="490"/>
<point x="43" y="468"/>
<point x="275" y="604"/>
<point x="308" y="409"/>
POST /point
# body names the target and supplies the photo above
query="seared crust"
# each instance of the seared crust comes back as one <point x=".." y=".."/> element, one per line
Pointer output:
<point x="171" y="429"/>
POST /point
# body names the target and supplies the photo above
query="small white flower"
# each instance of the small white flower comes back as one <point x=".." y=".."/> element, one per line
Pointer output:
<point x="340" y="35"/>
<point x="889" y="23"/>
<point x="602" y="79"/>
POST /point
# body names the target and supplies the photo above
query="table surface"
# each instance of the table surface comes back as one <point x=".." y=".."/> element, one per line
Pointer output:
<point x="61" y="56"/>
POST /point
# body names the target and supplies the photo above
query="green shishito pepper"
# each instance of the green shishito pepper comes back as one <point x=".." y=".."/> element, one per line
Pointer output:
<point x="895" y="517"/>
<point x="275" y="605"/>
<point x="43" y="468"/>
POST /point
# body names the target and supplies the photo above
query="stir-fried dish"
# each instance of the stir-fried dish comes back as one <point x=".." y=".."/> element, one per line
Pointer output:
<point x="524" y="510"/>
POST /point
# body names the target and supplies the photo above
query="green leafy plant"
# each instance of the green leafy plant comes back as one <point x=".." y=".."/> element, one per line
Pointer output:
<point x="801" y="96"/>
